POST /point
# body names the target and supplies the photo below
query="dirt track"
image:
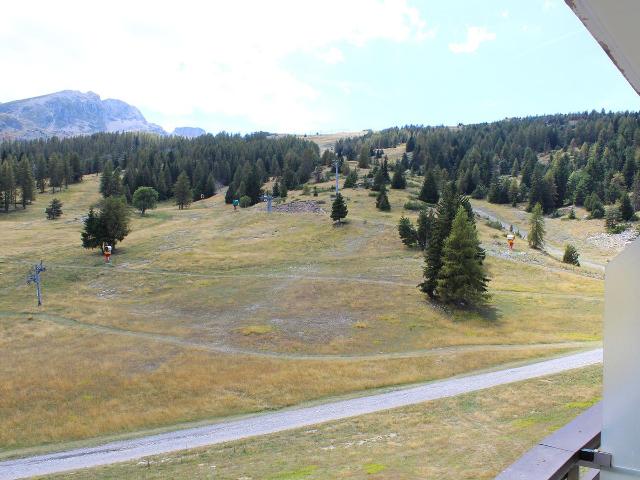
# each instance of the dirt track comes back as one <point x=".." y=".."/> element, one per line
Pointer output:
<point x="285" y="419"/>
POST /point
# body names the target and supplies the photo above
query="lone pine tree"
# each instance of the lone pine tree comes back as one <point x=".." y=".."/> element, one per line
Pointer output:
<point x="339" y="209"/>
<point x="382" y="200"/>
<point x="110" y="225"/>
<point x="446" y="211"/>
<point x="536" y="233"/>
<point x="571" y="255"/>
<point x="462" y="279"/>
<point x="182" y="191"/>
<point x="54" y="210"/>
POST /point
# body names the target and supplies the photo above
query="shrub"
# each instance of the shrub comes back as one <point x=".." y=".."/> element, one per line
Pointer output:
<point x="382" y="202"/>
<point x="572" y="214"/>
<point x="415" y="205"/>
<point x="597" y="211"/>
<point x="571" y="255"/>
<point x="494" y="224"/>
<point x="145" y="198"/>
<point x="245" y="201"/>
<point x="479" y="192"/>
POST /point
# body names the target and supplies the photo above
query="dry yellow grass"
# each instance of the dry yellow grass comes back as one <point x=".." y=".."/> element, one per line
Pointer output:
<point x="62" y="384"/>
<point x="472" y="436"/>
<point x="136" y="340"/>
<point x="560" y="231"/>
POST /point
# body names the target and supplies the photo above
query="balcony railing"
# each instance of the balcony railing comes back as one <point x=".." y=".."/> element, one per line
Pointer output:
<point x="558" y="456"/>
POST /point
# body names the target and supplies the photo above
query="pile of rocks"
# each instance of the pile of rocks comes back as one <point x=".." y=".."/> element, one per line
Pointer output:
<point x="299" y="206"/>
<point x="613" y="241"/>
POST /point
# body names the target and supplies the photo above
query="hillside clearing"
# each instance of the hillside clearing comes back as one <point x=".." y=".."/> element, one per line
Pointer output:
<point x="207" y="312"/>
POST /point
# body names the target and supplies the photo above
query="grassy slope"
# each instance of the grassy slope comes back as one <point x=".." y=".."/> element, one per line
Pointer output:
<point x="243" y="281"/>
<point x="473" y="436"/>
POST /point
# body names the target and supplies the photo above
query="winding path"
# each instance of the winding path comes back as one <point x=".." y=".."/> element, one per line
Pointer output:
<point x="278" y="421"/>
<point x="230" y="349"/>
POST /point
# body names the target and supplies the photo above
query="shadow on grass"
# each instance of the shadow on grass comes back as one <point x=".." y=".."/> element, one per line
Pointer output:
<point x="488" y="312"/>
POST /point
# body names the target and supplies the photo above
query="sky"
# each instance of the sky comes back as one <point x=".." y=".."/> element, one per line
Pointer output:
<point x="312" y="66"/>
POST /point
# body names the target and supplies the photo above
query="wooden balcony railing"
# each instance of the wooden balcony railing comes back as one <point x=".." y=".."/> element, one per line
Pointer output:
<point x="557" y="457"/>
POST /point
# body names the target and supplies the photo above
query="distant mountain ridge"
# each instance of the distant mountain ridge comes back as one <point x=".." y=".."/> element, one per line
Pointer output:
<point x="69" y="113"/>
<point x="188" y="132"/>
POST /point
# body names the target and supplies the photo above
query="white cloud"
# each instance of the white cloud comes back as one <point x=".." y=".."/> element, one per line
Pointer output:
<point x="176" y="58"/>
<point x="475" y="36"/>
<point x="504" y="14"/>
<point x="332" y="56"/>
<point x="549" y="5"/>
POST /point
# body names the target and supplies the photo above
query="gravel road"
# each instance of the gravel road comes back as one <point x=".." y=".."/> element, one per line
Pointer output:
<point x="266" y="423"/>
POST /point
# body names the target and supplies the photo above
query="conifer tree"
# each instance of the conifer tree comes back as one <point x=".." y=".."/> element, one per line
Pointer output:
<point x="426" y="222"/>
<point x="378" y="180"/>
<point x="92" y="232"/>
<point x="106" y="179"/>
<point x="571" y="255"/>
<point x="462" y="279"/>
<point x="385" y="170"/>
<point x="407" y="232"/>
<point x="210" y="187"/>
<point x="110" y="225"/>
<point x="7" y="183"/>
<point x="54" y="210"/>
<point x="536" y="231"/>
<point x="76" y="168"/>
<point x="561" y="172"/>
<point x="445" y="212"/>
<point x="229" y="195"/>
<point x="629" y="171"/>
<point x="636" y="191"/>
<point x="626" y="209"/>
<point x="398" y="181"/>
<point x="25" y="181"/>
<point x="56" y="172"/>
<point x="338" y="209"/>
<point x="382" y="200"/>
<point x="182" y="191"/>
<point x="611" y="219"/>
<point x="514" y="192"/>
<point x="365" y="157"/>
<point x="351" y="180"/>
<point x="429" y="190"/>
<point x="41" y="173"/>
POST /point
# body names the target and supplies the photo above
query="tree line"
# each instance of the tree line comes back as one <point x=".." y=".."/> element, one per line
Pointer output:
<point x="144" y="160"/>
<point x="555" y="160"/>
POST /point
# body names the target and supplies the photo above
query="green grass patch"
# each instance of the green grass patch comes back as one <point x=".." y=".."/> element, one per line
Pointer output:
<point x="298" y="474"/>
<point x="371" y="468"/>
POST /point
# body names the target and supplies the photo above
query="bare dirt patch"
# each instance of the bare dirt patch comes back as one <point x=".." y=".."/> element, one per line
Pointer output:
<point x="300" y="206"/>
